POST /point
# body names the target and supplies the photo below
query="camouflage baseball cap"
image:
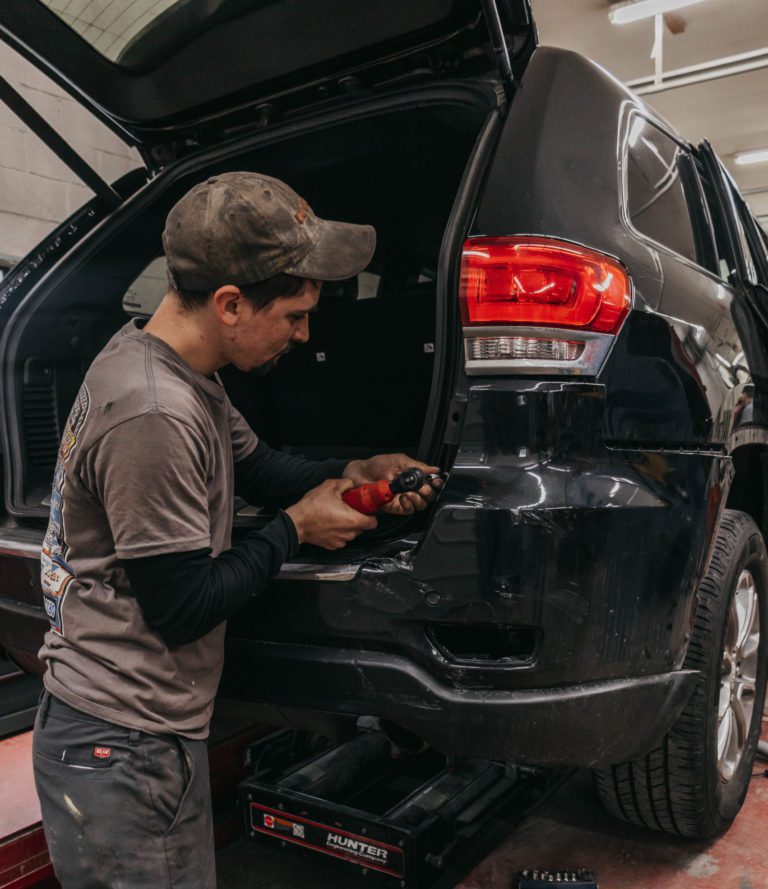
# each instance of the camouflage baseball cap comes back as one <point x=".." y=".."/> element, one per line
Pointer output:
<point x="242" y="228"/>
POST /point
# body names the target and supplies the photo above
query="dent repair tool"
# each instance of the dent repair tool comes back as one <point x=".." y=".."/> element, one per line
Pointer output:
<point x="369" y="498"/>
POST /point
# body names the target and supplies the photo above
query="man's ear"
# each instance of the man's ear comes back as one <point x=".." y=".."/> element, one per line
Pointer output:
<point x="227" y="304"/>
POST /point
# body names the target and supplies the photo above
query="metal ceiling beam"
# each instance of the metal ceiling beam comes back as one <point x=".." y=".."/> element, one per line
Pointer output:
<point x="60" y="147"/>
<point x="712" y="70"/>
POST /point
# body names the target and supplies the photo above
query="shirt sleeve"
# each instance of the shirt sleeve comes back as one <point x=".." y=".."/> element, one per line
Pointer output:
<point x="267" y="477"/>
<point x="185" y="595"/>
<point x="149" y="473"/>
<point x="244" y="439"/>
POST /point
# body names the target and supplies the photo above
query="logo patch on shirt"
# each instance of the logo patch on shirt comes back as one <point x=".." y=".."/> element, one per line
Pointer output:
<point x="102" y="752"/>
<point x="56" y="574"/>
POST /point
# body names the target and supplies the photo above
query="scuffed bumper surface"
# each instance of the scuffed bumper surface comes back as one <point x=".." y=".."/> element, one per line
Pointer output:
<point x="588" y="724"/>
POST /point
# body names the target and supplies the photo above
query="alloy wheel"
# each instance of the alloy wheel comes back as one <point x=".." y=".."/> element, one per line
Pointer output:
<point x="738" y="676"/>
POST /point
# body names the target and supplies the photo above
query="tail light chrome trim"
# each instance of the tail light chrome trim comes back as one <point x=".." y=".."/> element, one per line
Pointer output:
<point x="588" y="361"/>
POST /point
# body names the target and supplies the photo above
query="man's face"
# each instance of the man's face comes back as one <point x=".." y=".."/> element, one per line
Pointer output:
<point x="262" y="336"/>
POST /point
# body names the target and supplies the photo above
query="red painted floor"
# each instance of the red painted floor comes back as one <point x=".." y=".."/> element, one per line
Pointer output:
<point x="24" y="861"/>
<point x="18" y="801"/>
<point x="571" y="830"/>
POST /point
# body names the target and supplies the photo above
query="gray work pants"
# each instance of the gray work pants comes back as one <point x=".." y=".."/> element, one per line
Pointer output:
<point x="122" y="809"/>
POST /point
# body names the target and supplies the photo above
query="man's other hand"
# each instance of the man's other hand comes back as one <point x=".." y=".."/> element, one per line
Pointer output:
<point x="322" y="518"/>
<point x="387" y="466"/>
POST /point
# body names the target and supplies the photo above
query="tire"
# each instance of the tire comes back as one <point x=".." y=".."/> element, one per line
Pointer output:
<point x="694" y="783"/>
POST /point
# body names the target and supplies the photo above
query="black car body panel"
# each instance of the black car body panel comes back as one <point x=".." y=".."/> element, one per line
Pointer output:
<point x="515" y="564"/>
<point x="543" y="726"/>
<point x="565" y="95"/>
<point x="519" y="540"/>
<point x="541" y="612"/>
<point x="577" y="516"/>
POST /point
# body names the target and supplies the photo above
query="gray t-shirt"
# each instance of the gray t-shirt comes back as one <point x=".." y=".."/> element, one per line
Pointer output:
<point x="145" y="467"/>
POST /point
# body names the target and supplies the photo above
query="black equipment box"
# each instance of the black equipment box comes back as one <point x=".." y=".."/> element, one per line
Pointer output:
<point x="365" y="804"/>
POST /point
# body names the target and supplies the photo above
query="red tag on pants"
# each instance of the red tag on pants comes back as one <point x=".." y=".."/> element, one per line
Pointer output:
<point x="102" y="752"/>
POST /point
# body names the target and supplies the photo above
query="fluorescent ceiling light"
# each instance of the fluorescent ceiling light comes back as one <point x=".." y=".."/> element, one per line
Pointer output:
<point x="758" y="156"/>
<point x="643" y="9"/>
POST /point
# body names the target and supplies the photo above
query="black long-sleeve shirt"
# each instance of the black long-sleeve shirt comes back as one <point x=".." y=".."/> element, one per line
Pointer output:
<point x="184" y="595"/>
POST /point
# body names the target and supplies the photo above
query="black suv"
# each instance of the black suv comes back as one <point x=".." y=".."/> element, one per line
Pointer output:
<point x="566" y="310"/>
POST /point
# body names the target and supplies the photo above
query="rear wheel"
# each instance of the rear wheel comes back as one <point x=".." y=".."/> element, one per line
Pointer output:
<point x="695" y="781"/>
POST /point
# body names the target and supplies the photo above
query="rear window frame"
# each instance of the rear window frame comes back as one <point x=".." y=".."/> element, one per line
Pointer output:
<point x="692" y="197"/>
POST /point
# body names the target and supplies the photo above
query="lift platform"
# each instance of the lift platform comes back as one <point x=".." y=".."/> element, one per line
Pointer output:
<point x="373" y="807"/>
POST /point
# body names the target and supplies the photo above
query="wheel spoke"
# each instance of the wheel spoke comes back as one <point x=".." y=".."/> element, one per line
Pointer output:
<point x="724" y="732"/>
<point x="744" y="705"/>
<point x="724" y="701"/>
<point x="745" y="601"/>
<point x="748" y="650"/>
<point x="733" y="753"/>
<point x="742" y="713"/>
<point x="732" y="631"/>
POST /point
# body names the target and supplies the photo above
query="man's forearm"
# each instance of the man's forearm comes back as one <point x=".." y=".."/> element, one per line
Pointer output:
<point x="183" y="596"/>
<point x="267" y="477"/>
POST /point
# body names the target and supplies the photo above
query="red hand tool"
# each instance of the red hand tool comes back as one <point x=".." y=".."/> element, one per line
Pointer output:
<point x="369" y="498"/>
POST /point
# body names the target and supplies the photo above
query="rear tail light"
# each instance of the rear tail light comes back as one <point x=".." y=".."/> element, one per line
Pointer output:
<point x="565" y="302"/>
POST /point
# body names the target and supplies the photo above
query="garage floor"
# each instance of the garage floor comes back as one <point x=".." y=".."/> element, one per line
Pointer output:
<point x="571" y="830"/>
<point x="568" y="830"/>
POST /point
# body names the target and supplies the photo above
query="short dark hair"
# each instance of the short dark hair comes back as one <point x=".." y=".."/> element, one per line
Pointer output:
<point x="259" y="295"/>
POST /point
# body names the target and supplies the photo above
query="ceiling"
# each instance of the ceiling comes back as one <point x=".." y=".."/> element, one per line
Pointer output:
<point x="730" y="111"/>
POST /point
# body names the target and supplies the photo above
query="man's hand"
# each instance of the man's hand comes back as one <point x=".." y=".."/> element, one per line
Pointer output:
<point x="322" y="518"/>
<point x="387" y="466"/>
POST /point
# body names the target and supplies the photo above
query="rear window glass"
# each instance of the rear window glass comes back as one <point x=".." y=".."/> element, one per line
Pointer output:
<point x="110" y="25"/>
<point x="146" y="291"/>
<point x="656" y="202"/>
<point x="143" y="296"/>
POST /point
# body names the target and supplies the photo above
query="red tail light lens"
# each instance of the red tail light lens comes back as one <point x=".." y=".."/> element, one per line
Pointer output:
<point x="542" y="282"/>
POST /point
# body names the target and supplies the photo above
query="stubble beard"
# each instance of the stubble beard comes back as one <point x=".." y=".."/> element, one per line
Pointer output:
<point x="263" y="369"/>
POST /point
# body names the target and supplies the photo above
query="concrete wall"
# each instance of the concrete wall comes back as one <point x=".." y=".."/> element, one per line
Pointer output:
<point x="37" y="191"/>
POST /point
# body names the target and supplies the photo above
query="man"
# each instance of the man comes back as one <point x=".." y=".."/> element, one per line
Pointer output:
<point x="138" y="570"/>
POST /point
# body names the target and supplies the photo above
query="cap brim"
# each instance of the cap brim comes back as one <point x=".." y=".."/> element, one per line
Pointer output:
<point x="341" y="250"/>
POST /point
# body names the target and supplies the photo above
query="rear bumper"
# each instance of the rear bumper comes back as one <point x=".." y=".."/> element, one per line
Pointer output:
<point x="588" y="724"/>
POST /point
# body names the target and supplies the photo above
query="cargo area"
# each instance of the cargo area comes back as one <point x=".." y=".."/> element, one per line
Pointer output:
<point x="362" y="383"/>
<point x="360" y="386"/>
